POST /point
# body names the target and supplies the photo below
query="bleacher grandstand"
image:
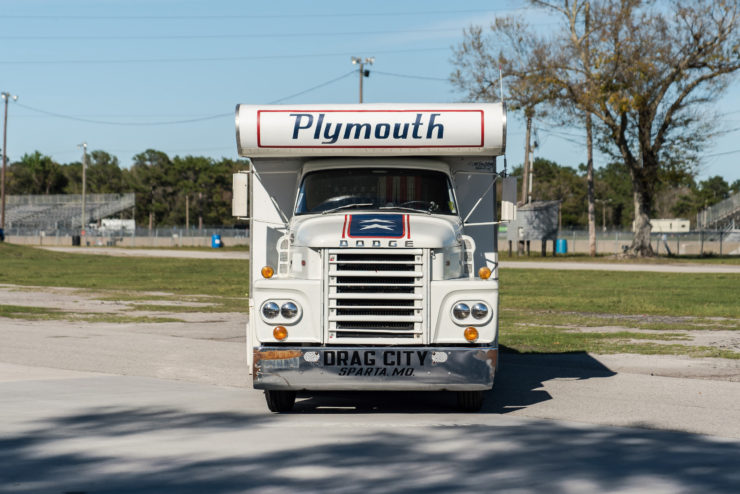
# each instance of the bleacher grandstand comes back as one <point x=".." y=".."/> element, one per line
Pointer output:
<point x="724" y="215"/>
<point x="59" y="212"/>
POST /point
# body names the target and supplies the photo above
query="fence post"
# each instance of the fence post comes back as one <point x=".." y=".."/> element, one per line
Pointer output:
<point x="720" y="242"/>
<point x="701" y="243"/>
<point x="574" y="241"/>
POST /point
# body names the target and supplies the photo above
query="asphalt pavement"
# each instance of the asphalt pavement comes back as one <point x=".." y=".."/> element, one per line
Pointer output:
<point x="70" y="431"/>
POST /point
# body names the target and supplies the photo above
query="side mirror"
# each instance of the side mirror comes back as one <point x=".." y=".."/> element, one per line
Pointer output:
<point x="508" y="199"/>
<point x="240" y="195"/>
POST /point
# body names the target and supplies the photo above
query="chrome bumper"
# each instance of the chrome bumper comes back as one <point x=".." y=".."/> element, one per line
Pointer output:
<point x="375" y="368"/>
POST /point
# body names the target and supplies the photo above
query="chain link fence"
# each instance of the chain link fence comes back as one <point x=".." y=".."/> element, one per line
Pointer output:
<point x="697" y="243"/>
<point x="139" y="237"/>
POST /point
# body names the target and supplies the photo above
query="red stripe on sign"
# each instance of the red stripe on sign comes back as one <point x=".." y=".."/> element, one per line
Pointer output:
<point x="408" y="226"/>
<point x="344" y="227"/>
<point x="259" y="139"/>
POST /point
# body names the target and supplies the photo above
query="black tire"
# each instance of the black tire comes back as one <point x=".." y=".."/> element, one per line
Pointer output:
<point x="279" y="400"/>
<point x="470" y="401"/>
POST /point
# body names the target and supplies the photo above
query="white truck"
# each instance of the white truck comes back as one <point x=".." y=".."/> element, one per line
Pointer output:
<point x="374" y="261"/>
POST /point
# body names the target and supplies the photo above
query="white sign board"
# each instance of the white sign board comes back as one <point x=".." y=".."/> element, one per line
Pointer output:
<point x="371" y="129"/>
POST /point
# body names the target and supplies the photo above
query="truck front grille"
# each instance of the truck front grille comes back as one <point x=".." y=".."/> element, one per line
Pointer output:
<point x="376" y="295"/>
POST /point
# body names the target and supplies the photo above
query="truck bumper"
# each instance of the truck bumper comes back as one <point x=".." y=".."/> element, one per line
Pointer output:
<point x="375" y="368"/>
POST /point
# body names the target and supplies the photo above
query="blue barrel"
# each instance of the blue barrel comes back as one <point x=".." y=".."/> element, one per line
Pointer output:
<point x="216" y="241"/>
<point x="561" y="246"/>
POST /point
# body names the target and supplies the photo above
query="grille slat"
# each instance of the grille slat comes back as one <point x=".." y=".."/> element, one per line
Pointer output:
<point x="374" y="295"/>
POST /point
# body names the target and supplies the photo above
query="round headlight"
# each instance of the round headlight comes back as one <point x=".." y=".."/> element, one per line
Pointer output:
<point x="270" y="310"/>
<point x="461" y="311"/>
<point x="289" y="310"/>
<point x="479" y="311"/>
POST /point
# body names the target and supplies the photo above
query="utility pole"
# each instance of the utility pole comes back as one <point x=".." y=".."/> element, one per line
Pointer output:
<point x="363" y="73"/>
<point x="6" y="96"/>
<point x="84" y="181"/>
<point x="526" y="164"/>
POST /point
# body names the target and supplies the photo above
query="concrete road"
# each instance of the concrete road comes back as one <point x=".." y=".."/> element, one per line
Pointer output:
<point x="566" y="265"/>
<point x="178" y="253"/>
<point x="168" y="408"/>
<point x="67" y="431"/>
<point x="619" y="266"/>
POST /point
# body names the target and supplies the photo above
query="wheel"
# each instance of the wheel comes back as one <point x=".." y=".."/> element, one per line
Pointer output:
<point x="279" y="400"/>
<point x="470" y="401"/>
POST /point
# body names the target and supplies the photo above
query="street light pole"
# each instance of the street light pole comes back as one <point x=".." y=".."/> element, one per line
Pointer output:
<point x="6" y="96"/>
<point x="84" y="181"/>
<point x="363" y="73"/>
<point x="603" y="202"/>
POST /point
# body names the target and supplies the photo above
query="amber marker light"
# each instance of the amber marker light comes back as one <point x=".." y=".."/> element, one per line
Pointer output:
<point x="484" y="273"/>
<point x="280" y="333"/>
<point x="471" y="334"/>
<point x="267" y="272"/>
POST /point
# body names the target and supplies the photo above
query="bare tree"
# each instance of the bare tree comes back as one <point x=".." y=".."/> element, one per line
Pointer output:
<point x="650" y="70"/>
<point x="481" y="60"/>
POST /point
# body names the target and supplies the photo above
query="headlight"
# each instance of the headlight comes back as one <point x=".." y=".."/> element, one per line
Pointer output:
<point x="461" y="311"/>
<point x="289" y="310"/>
<point x="270" y="310"/>
<point x="479" y="311"/>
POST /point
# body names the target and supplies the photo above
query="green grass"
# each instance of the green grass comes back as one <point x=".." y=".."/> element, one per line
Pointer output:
<point x="541" y="309"/>
<point x="614" y="292"/>
<point x="35" y="267"/>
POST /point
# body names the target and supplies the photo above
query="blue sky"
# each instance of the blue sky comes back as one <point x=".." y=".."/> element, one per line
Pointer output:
<point x="111" y="72"/>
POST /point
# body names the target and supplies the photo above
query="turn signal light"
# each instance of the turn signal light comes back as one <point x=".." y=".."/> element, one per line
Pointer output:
<point x="280" y="333"/>
<point x="471" y="334"/>
<point x="484" y="273"/>
<point x="267" y="272"/>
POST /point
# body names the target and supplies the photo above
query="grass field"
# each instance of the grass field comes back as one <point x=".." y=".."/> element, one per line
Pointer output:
<point x="541" y="310"/>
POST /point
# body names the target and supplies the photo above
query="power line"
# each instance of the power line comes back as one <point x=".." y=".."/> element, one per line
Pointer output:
<point x="212" y="59"/>
<point x="721" y="154"/>
<point x="175" y="122"/>
<point x="409" y="76"/>
<point x="134" y="124"/>
<point x="248" y="16"/>
<point x="225" y="36"/>
<point x="312" y="88"/>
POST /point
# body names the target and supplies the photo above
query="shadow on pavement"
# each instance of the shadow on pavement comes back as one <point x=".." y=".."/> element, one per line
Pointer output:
<point x="518" y="384"/>
<point x="153" y="450"/>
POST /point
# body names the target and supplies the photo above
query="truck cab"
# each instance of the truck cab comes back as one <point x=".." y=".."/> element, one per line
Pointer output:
<point x="373" y="252"/>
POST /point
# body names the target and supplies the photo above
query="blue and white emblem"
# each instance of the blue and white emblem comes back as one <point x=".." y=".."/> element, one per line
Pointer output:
<point x="377" y="225"/>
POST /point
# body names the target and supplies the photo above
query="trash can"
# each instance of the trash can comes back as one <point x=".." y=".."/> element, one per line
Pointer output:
<point x="2" y="235"/>
<point x="561" y="246"/>
<point x="216" y="241"/>
<point x="75" y="240"/>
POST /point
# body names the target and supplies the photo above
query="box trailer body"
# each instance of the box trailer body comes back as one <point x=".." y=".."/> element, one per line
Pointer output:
<point x="373" y="262"/>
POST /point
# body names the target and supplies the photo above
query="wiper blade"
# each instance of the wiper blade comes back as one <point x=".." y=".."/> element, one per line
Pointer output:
<point x="406" y="208"/>
<point x="347" y="206"/>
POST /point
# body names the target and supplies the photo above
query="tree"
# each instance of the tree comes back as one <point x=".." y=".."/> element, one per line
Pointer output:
<point x="653" y="69"/>
<point x="103" y="175"/>
<point x="153" y="193"/>
<point x="36" y="173"/>
<point x="480" y="71"/>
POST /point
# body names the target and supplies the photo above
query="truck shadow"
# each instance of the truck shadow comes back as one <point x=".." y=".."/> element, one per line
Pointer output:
<point x="518" y="384"/>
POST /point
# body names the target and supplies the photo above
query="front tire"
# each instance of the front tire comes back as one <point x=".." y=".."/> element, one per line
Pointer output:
<point x="280" y="400"/>
<point x="470" y="401"/>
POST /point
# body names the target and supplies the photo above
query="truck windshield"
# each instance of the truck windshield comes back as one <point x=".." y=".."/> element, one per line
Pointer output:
<point x="377" y="188"/>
